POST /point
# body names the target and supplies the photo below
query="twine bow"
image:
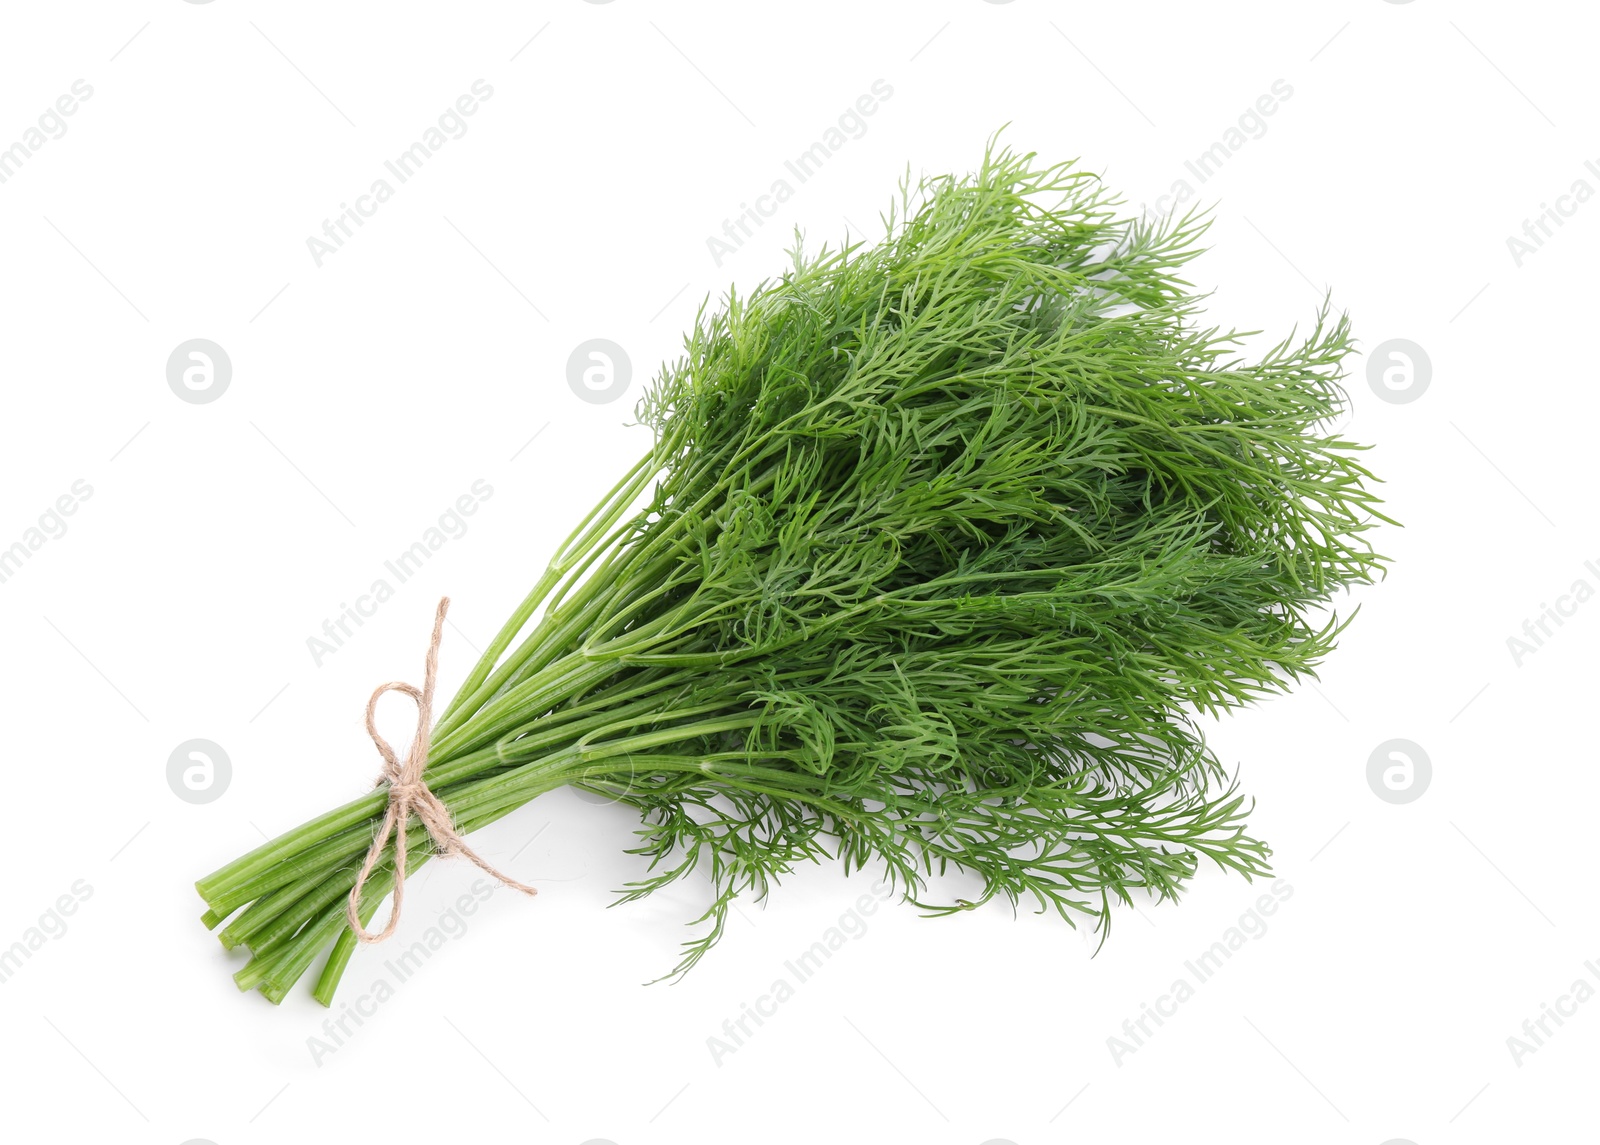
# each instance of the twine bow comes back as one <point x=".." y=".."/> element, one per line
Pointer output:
<point x="409" y="792"/>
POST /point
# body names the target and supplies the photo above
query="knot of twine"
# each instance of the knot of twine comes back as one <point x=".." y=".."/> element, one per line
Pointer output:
<point x="408" y="793"/>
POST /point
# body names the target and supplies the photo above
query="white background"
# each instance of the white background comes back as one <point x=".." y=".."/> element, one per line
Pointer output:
<point x="370" y="392"/>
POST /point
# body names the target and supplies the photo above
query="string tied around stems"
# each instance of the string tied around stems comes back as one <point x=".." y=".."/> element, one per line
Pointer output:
<point x="409" y="793"/>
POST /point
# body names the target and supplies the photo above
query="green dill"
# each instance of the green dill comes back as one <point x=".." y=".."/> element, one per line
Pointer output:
<point x="943" y="545"/>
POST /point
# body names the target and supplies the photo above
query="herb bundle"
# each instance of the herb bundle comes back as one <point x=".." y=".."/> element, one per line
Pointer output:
<point x="942" y="546"/>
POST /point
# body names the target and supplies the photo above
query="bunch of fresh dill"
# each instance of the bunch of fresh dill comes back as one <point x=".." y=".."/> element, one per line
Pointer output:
<point x="942" y="545"/>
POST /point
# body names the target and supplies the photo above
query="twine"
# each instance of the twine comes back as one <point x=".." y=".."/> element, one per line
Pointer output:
<point x="408" y="793"/>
